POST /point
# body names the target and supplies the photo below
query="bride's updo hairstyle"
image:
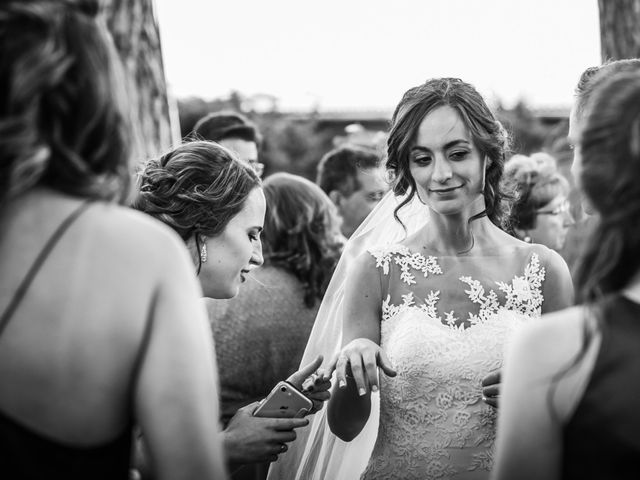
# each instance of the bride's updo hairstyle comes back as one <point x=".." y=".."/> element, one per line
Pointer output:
<point x="488" y="136"/>
<point x="63" y="117"/>
<point x="195" y="188"/>
<point x="610" y="157"/>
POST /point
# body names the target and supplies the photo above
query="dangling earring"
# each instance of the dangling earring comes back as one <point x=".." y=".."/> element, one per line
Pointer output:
<point x="527" y="238"/>
<point x="203" y="250"/>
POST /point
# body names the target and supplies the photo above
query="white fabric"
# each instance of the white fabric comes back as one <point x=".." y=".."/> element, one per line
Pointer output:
<point x="433" y="423"/>
<point x="317" y="453"/>
<point x="445" y="324"/>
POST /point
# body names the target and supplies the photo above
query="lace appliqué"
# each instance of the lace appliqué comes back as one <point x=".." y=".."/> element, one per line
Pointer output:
<point x="406" y="260"/>
<point x="433" y="422"/>
<point x="523" y="294"/>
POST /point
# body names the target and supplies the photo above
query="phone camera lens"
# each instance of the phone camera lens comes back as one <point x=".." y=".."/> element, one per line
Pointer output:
<point x="283" y="389"/>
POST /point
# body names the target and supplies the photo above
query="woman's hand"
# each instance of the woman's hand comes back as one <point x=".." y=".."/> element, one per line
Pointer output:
<point x="491" y="388"/>
<point x="360" y="360"/>
<point x="249" y="439"/>
<point x="314" y="382"/>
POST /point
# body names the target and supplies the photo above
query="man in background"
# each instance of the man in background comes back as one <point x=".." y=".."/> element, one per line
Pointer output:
<point x="233" y="131"/>
<point x="354" y="180"/>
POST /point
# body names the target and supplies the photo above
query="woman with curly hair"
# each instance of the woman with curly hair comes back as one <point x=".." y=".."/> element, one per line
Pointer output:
<point x="429" y="303"/>
<point x="260" y="334"/>
<point x="216" y="203"/>
<point x="540" y="212"/>
<point x="100" y="325"/>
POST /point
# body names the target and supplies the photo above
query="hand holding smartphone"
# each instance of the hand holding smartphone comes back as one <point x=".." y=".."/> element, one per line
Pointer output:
<point x="284" y="401"/>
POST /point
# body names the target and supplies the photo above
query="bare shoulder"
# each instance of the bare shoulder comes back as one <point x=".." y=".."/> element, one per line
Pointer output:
<point x="128" y="231"/>
<point x="557" y="288"/>
<point x="551" y="341"/>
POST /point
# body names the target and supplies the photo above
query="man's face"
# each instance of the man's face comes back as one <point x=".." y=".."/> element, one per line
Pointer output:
<point x="354" y="208"/>
<point x="245" y="150"/>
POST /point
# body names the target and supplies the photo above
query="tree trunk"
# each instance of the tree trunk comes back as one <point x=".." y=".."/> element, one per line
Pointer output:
<point x="619" y="29"/>
<point x="134" y="27"/>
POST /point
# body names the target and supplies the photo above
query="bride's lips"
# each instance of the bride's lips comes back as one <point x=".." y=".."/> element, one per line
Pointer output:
<point x="243" y="273"/>
<point x="442" y="191"/>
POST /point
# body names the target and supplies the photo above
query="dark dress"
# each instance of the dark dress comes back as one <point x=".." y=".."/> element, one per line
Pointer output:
<point x="602" y="439"/>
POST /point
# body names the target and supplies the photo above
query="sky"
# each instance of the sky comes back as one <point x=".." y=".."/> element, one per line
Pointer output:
<point x="364" y="54"/>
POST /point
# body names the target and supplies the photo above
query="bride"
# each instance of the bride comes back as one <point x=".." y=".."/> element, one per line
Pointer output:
<point x="429" y="290"/>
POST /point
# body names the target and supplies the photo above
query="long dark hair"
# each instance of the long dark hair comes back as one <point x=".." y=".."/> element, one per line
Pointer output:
<point x="487" y="133"/>
<point x="64" y="123"/>
<point x="301" y="232"/>
<point x="610" y="151"/>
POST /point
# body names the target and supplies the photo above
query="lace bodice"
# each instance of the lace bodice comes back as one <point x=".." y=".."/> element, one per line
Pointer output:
<point x="445" y="322"/>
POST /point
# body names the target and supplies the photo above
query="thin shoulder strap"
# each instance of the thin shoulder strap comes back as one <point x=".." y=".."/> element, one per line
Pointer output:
<point x="38" y="262"/>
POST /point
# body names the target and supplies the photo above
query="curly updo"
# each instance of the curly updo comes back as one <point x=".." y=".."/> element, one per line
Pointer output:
<point x="536" y="182"/>
<point x="487" y="133"/>
<point x="64" y="123"/>
<point x="197" y="187"/>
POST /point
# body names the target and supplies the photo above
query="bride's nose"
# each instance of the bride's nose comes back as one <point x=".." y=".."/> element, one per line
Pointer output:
<point x="441" y="170"/>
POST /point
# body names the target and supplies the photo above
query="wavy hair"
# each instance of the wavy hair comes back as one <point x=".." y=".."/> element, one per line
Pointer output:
<point x="487" y="133"/>
<point x="63" y="117"/>
<point x="302" y="232"/>
<point x="610" y="152"/>
<point x="536" y="182"/>
<point x="197" y="187"/>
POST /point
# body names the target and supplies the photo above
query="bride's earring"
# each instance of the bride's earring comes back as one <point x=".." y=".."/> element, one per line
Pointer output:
<point x="527" y="238"/>
<point x="203" y="250"/>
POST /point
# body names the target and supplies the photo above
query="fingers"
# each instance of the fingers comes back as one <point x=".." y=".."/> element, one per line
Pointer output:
<point x="492" y="401"/>
<point x="299" y="377"/>
<point x="493" y="377"/>
<point x="284" y="424"/>
<point x="248" y="409"/>
<point x="322" y="396"/>
<point x="385" y="364"/>
<point x="370" y="369"/>
<point x="491" y="390"/>
<point x="341" y="362"/>
<point x="358" y="373"/>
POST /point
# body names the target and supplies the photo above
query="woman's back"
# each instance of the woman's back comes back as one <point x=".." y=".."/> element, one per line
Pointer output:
<point x="76" y="350"/>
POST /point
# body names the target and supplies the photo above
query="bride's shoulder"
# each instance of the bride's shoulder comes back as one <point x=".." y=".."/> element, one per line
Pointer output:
<point x="385" y="252"/>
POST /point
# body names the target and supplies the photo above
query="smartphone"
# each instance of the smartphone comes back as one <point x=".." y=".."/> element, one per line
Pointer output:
<point x="284" y="401"/>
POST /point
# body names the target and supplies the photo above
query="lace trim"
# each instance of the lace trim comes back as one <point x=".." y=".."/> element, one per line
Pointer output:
<point x="523" y="294"/>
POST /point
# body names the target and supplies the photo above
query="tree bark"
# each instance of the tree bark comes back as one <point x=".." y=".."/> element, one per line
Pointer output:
<point x="619" y="29"/>
<point x="134" y="27"/>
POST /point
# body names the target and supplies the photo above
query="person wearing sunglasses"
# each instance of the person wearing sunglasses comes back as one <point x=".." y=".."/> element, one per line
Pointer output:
<point x="541" y="211"/>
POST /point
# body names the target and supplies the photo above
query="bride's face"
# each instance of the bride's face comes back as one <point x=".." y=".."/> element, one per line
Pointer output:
<point x="446" y="166"/>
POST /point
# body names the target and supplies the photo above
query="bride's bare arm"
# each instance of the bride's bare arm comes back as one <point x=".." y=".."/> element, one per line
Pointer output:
<point x="358" y="361"/>
<point x="557" y="288"/>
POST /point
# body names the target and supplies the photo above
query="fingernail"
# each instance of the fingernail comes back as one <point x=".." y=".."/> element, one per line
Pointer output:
<point x="484" y="399"/>
<point x="362" y="391"/>
<point x="342" y="384"/>
<point x="374" y="388"/>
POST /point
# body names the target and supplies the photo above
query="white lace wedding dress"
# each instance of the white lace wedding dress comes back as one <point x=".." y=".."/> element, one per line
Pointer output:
<point x="445" y="322"/>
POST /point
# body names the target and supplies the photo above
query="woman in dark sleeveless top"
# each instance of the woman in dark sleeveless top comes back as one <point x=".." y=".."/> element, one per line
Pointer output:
<point x="571" y="395"/>
<point x="101" y="327"/>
